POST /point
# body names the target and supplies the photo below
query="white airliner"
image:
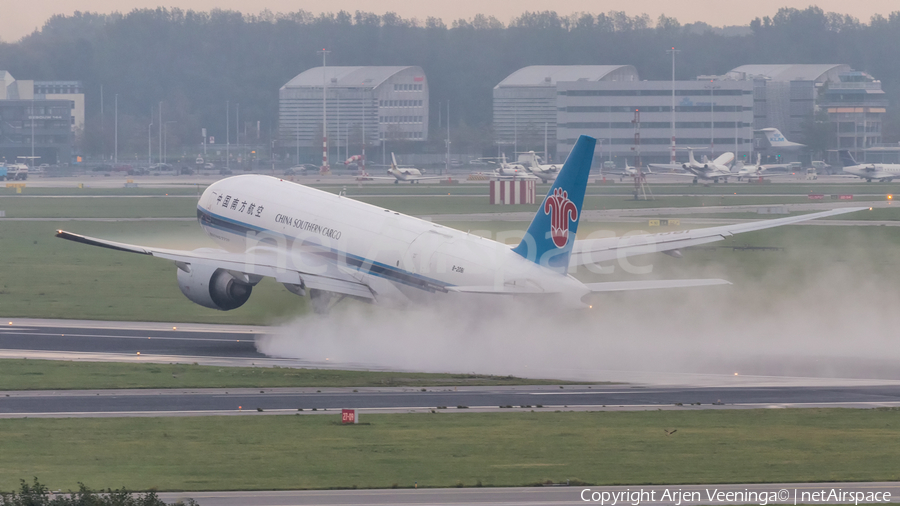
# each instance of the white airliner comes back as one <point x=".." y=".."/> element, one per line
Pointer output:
<point x="547" y="172"/>
<point x="628" y="171"/>
<point x="405" y="173"/>
<point x="883" y="172"/>
<point x="667" y="168"/>
<point x="332" y="247"/>
<point x="710" y="171"/>
<point x="759" y="170"/>
<point x="512" y="170"/>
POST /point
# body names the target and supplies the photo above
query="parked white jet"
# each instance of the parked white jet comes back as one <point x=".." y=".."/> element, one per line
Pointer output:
<point x="545" y="171"/>
<point x="405" y="173"/>
<point x="667" y="168"/>
<point x="512" y="170"/>
<point x="883" y="172"/>
<point x="627" y="171"/>
<point x="759" y="170"/>
<point x="331" y="246"/>
<point x="710" y="171"/>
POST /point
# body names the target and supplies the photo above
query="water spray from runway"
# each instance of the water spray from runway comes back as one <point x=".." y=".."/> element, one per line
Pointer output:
<point x="833" y="322"/>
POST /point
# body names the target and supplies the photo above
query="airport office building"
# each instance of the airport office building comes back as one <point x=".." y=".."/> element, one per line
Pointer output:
<point x="39" y="117"/>
<point x="718" y="113"/>
<point x="601" y="101"/>
<point x="711" y="116"/>
<point x="375" y="103"/>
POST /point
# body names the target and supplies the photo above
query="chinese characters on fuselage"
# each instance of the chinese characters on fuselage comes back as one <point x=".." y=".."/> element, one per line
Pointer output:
<point x="236" y="204"/>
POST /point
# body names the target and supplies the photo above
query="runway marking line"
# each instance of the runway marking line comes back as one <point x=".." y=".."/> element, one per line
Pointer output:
<point x="471" y="409"/>
<point x="115" y="336"/>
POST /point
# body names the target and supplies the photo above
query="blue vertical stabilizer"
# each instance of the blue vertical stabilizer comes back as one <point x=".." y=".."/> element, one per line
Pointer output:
<point x="551" y="235"/>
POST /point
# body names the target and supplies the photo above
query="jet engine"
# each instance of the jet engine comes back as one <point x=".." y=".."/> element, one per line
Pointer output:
<point x="213" y="287"/>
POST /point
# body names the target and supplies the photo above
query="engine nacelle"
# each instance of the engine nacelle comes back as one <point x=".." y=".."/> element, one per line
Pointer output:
<point x="213" y="287"/>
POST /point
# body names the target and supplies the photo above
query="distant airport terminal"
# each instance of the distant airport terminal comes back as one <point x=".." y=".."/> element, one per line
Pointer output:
<point x="537" y="106"/>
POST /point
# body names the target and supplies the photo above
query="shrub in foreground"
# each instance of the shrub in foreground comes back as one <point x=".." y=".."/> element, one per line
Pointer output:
<point x="37" y="494"/>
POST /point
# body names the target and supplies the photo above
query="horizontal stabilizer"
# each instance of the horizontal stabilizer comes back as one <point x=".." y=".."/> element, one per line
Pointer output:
<point x="506" y="289"/>
<point x="594" y="251"/>
<point x="624" y="286"/>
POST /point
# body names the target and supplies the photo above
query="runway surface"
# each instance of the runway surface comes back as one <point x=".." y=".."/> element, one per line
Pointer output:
<point x="322" y="401"/>
<point x="234" y="346"/>
<point x="662" y="495"/>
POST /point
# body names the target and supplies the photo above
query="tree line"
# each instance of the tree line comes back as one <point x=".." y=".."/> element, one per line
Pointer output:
<point x="193" y="62"/>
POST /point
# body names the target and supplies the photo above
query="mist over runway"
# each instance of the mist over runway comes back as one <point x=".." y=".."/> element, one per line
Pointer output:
<point x="260" y="346"/>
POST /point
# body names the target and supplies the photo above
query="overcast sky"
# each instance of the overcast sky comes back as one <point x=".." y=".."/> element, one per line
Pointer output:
<point x="21" y="18"/>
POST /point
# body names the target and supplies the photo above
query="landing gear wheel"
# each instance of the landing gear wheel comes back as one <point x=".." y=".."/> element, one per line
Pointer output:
<point x="321" y="301"/>
<point x="695" y="180"/>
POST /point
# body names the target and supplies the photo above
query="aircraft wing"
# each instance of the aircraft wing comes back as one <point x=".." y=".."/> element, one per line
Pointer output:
<point x="655" y="284"/>
<point x="675" y="168"/>
<point x="519" y="177"/>
<point x="777" y="166"/>
<point x="258" y="262"/>
<point x="407" y="178"/>
<point x="609" y="286"/>
<point x="592" y="251"/>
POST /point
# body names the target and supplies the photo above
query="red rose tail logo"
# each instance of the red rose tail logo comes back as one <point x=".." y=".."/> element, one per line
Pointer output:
<point x="561" y="210"/>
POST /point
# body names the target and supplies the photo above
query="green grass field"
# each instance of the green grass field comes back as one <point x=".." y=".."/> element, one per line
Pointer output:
<point x="100" y="207"/>
<point x="449" y="449"/>
<point x="156" y="206"/>
<point x="45" y="277"/>
<point x="63" y="375"/>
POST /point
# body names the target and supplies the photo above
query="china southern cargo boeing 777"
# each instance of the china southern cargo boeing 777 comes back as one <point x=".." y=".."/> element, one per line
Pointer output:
<point x="331" y="246"/>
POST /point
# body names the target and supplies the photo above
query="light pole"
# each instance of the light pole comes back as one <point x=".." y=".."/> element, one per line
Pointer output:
<point x="346" y="144"/>
<point x="324" y="109"/>
<point x="165" y="138"/>
<point x="448" y="137"/>
<point x="227" y="133"/>
<point x="712" y="123"/>
<point x="149" y="141"/>
<point x="546" y="160"/>
<point x="515" y="129"/>
<point x="337" y="130"/>
<point x="32" y="131"/>
<point x="159" y="150"/>
<point x="363" y="132"/>
<point x="673" y="51"/>
<point x="116" y="138"/>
